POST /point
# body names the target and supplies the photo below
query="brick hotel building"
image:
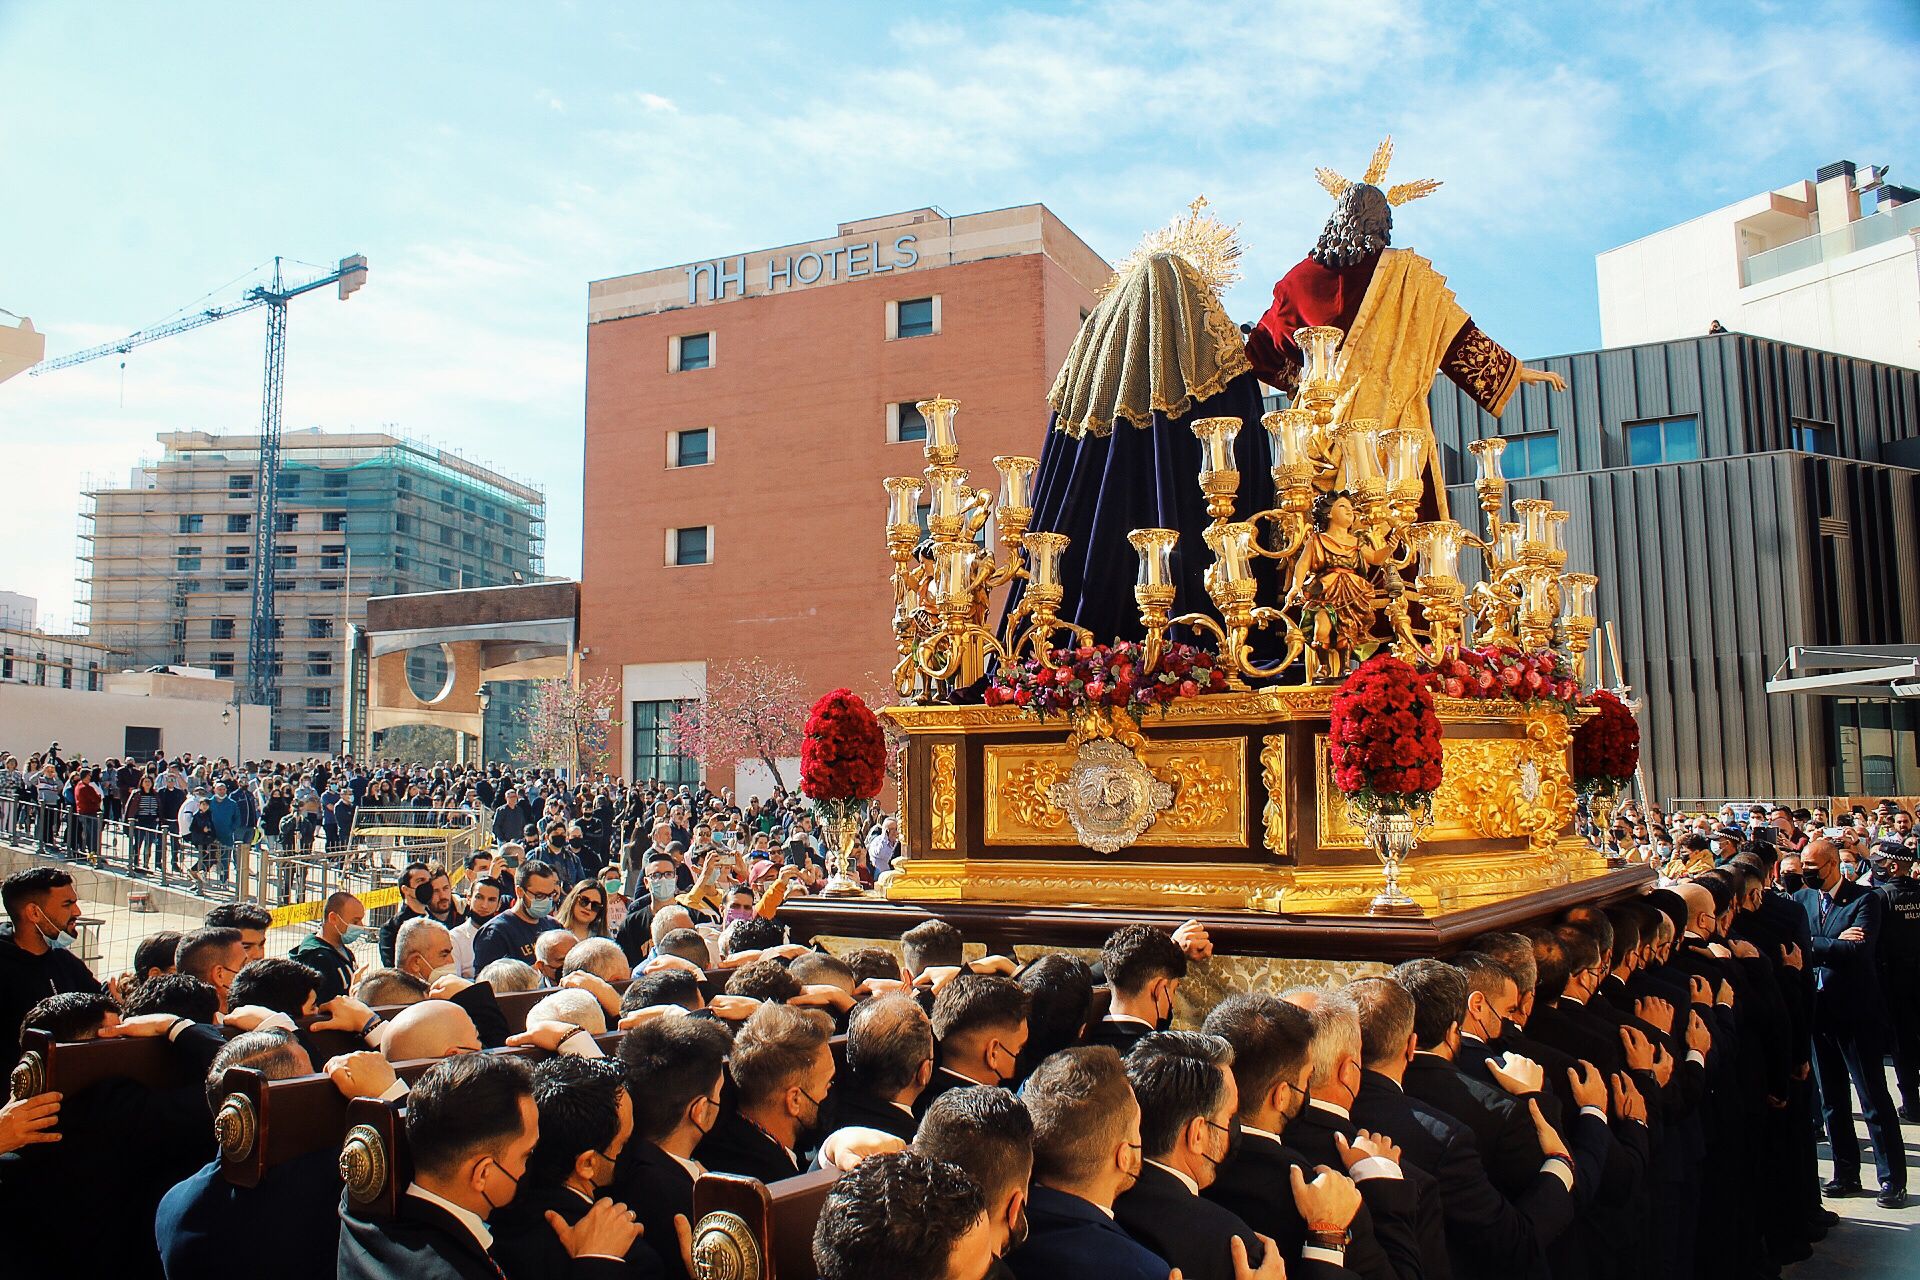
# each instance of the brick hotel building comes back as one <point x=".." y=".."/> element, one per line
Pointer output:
<point x="742" y="413"/>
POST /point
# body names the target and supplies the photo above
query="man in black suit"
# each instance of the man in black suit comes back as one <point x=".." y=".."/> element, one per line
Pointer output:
<point x="1488" y="1236"/>
<point x="586" y="1121"/>
<point x="902" y="1214"/>
<point x="782" y="1071"/>
<point x="1272" y="1067"/>
<point x="980" y="1029"/>
<point x="1845" y="921"/>
<point x="1184" y="1085"/>
<point x="1086" y="1152"/>
<point x="985" y="1132"/>
<point x="889" y="1062"/>
<point x="471" y="1125"/>
<point x="1144" y="967"/>
<point x="676" y="1070"/>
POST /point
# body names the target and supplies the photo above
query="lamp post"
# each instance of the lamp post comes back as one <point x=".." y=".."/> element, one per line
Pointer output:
<point x="480" y="745"/>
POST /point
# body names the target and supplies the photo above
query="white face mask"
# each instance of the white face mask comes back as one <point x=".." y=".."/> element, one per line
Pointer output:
<point x="448" y="970"/>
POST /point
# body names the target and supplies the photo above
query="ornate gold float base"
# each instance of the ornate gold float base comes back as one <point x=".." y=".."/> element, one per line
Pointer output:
<point x="1002" y="807"/>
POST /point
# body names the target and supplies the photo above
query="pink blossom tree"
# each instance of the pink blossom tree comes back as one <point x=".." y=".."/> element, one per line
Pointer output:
<point x="571" y="725"/>
<point x="753" y="710"/>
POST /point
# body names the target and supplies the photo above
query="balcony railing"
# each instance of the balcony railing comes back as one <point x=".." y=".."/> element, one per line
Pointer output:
<point x="1813" y="250"/>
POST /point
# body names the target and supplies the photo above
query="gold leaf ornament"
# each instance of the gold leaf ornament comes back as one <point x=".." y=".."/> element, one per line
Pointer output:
<point x="1208" y="245"/>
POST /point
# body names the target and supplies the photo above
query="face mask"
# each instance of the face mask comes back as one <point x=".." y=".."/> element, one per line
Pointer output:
<point x="491" y="1206"/>
<point x="739" y="913"/>
<point x="1848" y="870"/>
<point x="354" y="933"/>
<point x="440" y="971"/>
<point x="58" y="940"/>
<point x="1791" y="881"/>
<point x="1018" y="1233"/>
<point x="661" y="888"/>
<point x="539" y="908"/>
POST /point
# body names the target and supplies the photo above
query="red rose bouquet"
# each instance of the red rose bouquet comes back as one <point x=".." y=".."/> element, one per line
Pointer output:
<point x="844" y="754"/>
<point x="1385" y="738"/>
<point x="1542" y="676"/>
<point x="1606" y="749"/>
<point x="1099" y="675"/>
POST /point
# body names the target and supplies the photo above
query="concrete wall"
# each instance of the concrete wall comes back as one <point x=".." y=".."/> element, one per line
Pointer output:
<point x="94" y="725"/>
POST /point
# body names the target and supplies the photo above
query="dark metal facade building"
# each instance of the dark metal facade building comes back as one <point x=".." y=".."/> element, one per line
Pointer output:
<point x="1736" y="496"/>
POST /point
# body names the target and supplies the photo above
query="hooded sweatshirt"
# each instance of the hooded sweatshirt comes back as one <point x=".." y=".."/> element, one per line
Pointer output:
<point x="26" y="980"/>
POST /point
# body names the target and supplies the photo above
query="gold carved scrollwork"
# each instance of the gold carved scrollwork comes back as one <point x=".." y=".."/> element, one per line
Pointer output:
<point x="942" y="797"/>
<point x="1484" y="791"/>
<point x="1110" y="795"/>
<point x="1551" y="812"/>
<point x="363" y="1163"/>
<point x="1205" y="797"/>
<point x="1273" y="777"/>
<point x="235" y="1127"/>
<point x="1210" y="805"/>
<point x="724" y="1248"/>
<point x="1029" y="787"/>
<point x="29" y="1076"/>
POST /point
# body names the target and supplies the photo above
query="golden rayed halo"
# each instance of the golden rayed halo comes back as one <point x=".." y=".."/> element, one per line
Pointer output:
<point x="1208" y="245"/>
<point x="1398" y="194"/>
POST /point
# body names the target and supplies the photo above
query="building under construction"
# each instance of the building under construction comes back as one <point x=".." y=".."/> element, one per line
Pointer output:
<point x="166" y="560"/>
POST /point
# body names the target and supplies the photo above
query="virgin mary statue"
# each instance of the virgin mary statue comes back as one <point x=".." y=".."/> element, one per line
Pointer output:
<point x="1158" y="353"/>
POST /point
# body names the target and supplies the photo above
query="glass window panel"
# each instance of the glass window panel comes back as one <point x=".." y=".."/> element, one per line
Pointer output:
<point x="916" y="318"/>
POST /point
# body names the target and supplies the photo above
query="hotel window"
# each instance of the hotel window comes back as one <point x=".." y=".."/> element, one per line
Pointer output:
<point x="239" y="524"/>
<point x="904" y="423"/>
<point x="333" y="584"/>
<point x="335" y="480"/>
<point x="6" y="664"/>
<point x="236" y="584"/>
<point x="690" y="546"/>
<point x="283" y="556"/>
<point x="333" y="555"/>
<point x="220" y="629"/>
<point x="40" y="668"/>
<point x="240" y="486"/>
<point x="93" y="677"/>
<point x="1663" y="440"/>
<point x="1534" y="454"/>
<point x="913" y="318"/>
<point x="692" y="351"/>
<point x="654" y="757"/>
<point x="319" y="662"/>
<point x="692" y="447"/>
<point x="192" y="524"/>
<point x="321" y="697"/>
<point x="186" y="559"/>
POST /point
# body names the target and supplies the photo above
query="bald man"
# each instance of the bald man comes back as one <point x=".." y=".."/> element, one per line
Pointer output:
<point x="550" y="951"/>
<point x="430" y="1029"/>
<point x="1849" y="1041"/>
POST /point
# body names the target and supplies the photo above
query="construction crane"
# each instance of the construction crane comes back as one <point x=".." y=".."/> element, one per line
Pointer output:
<point x="274" y="296"/>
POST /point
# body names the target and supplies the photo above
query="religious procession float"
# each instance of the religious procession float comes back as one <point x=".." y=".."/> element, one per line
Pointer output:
<point x="1203" y="658"/>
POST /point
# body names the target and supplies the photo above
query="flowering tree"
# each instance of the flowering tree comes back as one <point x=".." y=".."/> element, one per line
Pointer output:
<point x="753" y="710"/>
<point x="571" y="725"/>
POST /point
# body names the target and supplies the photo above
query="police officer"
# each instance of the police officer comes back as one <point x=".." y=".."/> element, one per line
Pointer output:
<point x="1899" y="958"/>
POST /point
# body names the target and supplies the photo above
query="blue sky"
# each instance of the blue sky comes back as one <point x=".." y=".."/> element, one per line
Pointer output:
<point x="490" y="159"/>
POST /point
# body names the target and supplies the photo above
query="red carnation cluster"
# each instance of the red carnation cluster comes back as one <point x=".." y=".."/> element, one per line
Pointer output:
<point x="1542" y="676"/>
<point x="1606" y="749"/>
<point x="1099" y="675"/>
<point x="1385" y="739"/>
<point x="844" y="755"/>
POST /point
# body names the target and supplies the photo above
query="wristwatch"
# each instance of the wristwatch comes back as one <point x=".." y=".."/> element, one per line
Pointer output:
<point x="1327" y="1236"/>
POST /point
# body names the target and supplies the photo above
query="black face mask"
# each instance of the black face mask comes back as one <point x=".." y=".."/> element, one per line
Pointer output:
<point x="1792" y="881"/>
<point x="1018" y="1233"/>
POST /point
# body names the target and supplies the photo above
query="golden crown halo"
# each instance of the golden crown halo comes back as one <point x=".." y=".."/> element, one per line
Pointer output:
<point x="1208" y="245"/>
<point x="1398" y="194"/>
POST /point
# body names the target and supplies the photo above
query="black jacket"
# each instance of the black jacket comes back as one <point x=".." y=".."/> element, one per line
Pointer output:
<point x="525" y="1246"/>
<point x="423" y="1242"/>
<point x="209" y="1229"/>
<point x="1189" y="1232"/>
<point x="1072" y="1238"/>
<point x="1256" y="1185"/>
<point x="657" y="1188"/>
<point x="736" y="1145"/>
<point x="850" y="1105"/>
<point x="1386" y="1240"/>
<point x="26" y="980"/>
<point x="1502" y="1129"/>
<point x="1120" y="1035"/>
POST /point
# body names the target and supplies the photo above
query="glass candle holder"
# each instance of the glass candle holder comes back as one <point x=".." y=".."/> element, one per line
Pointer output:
<point x="1486" y="454"/>
<point x="1533" y="519"/>
<point x="1289" y="436"/>
<point x="1217" y="436"/>
<point x="942" y="446"/>
<point x="1016" y="481"/>
<point x="1043" y="558"/>
<point x="1319" y="353"/>
<point x="1155" y="548"/>
<point x="1439" y="542"/>
<point x="1232" y="546"/>
<point x="903" y="501"/>
<point x="1576" y="596"/>
<point x="1405" y="452"/>
<point x="953" y="575"/>
<point x="1556" y="531"/>
<point x="1512" y="543"/>
<point x="947" y="494"/>
<point x="1360" y="455"/>
<point x="1540" y="595"/>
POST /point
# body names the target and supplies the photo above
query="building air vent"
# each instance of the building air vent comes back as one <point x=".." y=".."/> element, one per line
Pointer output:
<point x="1835" y="527"/>
<point x="1834" y="170"/>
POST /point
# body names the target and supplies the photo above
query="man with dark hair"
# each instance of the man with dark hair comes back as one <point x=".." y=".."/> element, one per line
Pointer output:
<point x="285" y="986"/>
<point x="180" y="995"/>
<point x="764" y="980"/>
<point x="685" y="944"/>
<point x="753" y="934"/>
<point x="1086" y="1152"/>
<point x="35" y="960"/>
<point x="1144" y="967"/>
<point x="889" y="1063"/>
<point x="471" y="1127"/>
<point x="250" y="919"/>
<point x="214" y="956"/>
<point x="329" y="951"/>
<point x="512" y="934"/>
<point x="412" y="876"/>
<point x="586" y="1120"/>
<point x="1189" y="1126"/>
<point x="904" y="1217"/>
<point x="662" y="987"/>
<point x="74" y="1015"/>
<point x="931" y="944"/>
<point x="154" y="955"/>
<point x="782" y="1071"/>
<point x="1059" y="991"/>
<point x="980" y="1025"/>
<point x="986" y="1132"/>
<point x="676" y="1071"/>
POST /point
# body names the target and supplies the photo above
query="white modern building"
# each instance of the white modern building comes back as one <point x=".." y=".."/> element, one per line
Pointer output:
<point x="1832" y="264"/>
<point x="134" y="713"/>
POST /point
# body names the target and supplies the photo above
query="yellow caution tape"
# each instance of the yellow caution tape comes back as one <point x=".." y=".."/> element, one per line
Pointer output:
<point x="307" y="912"/>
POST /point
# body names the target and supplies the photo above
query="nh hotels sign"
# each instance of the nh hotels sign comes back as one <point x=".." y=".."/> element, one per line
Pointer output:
<point x="710" y="281"/>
